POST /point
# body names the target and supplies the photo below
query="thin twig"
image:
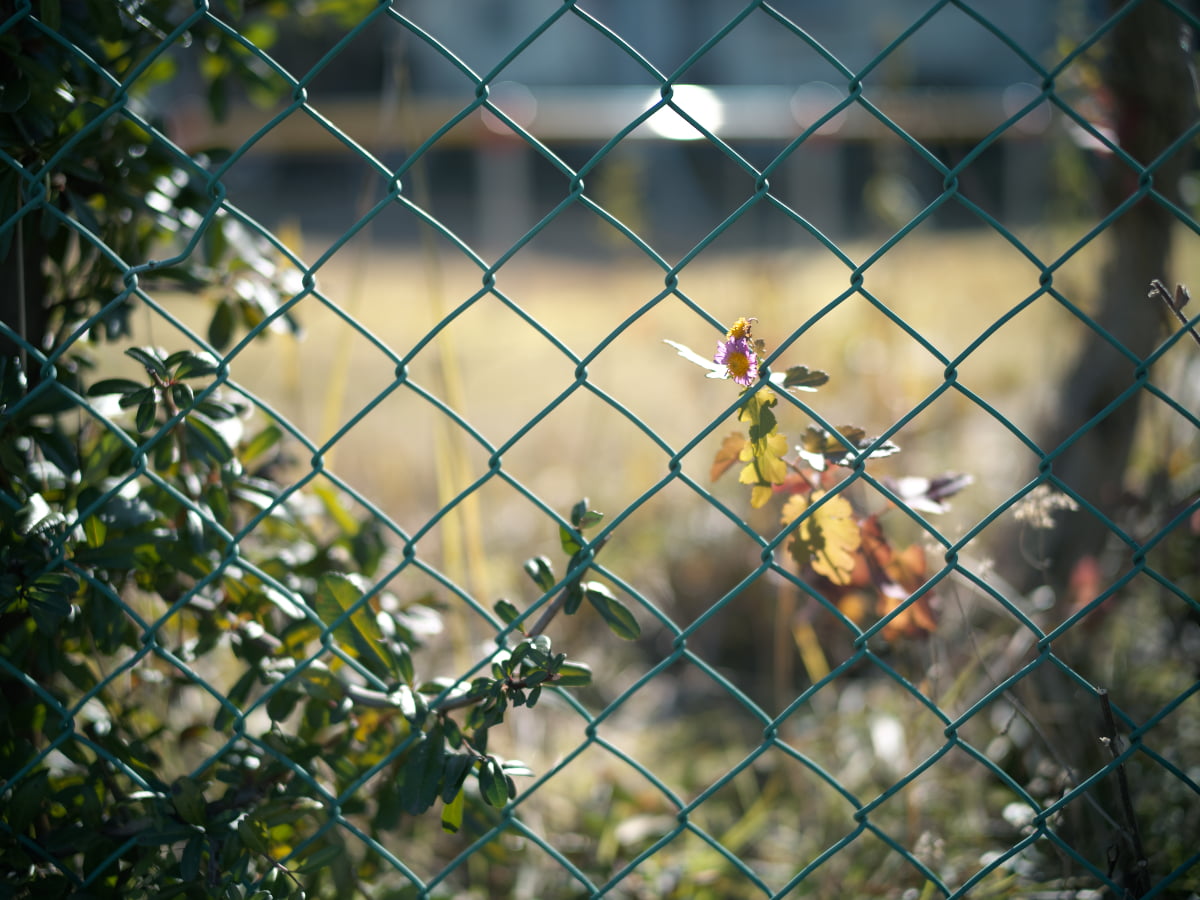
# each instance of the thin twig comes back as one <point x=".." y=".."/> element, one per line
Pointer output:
<point x="1141" y="870"/>
<point x="552" y="610"/>
<point x="1174" y="303"/>
<point x="548" y="614"/>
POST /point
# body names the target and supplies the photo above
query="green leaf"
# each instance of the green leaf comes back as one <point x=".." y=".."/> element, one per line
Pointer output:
<point x="583" y="517"/>
<point x="573" y="674"/>
<point x="333" y="505"/>
<point x="253" y="834"/>
<point x="406" y="700"/>
<point x="542" y="573"/>
<point x="182" y="396"/>
<point x="359" y="633"/>
<point x="260" y="444"/>
<point x="574" y="598"/>
<point x="49" y="602"/>
<point x="94" y="531"/>
<point x="188" y="798"/>
<point x="192" y="857"/>
<point x="539" y="649"/>
<point x="404" y="663"/>
<point x="150" y="359"/>
<point x="281" y="704"/>
<point x="188" y="364"/>
<point x="457" y="768"/>
<point x="590" y="518"/>
<point x="114" y="386"/>
<point x="208" y="440"/>
<point x="285" y="810"/>
<point x="147" y="412"/>
<point x="217" y="410"/>
<point x="319" y="859"/>
<point x="222" y="324"/>
<point x="297" y="635"/>
<point x="516" y="767"/>
<point x="492" y="783"/>
<point x="452" y="812"/>
<point x="804" y="379"/>
<point x="25" y="803"/>
<point x="135" y="398"/>
<point x="507" y="612"/>
<point x="422" y="772"/>
<point x="51" y="14"/>
<point x="569" y="539"/>
<point x="237" y="695"/>
<point x="160" y="834"/>
<point x="518" y="653"/>
<point x="615" y="613"/>
<point x="454" y="736"/>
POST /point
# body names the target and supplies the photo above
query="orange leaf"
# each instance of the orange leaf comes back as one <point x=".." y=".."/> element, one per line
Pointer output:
<point x="730" y="450"/>
<point x="854" y="606"/>
<point x="917" y="617"/>
<point x="897" y="576"/>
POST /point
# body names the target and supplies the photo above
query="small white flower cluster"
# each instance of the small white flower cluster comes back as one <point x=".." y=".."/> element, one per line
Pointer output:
<point x="1037" y="508"/>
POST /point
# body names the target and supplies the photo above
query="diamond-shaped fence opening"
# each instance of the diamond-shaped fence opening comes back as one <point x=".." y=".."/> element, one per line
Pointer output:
<point x="317" y="328"/>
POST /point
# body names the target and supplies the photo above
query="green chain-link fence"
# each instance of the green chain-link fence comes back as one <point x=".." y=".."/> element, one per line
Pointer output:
<point x="775" y="801"/>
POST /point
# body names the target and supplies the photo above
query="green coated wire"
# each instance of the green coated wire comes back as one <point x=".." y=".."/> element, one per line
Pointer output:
<point x="594" y="723"/>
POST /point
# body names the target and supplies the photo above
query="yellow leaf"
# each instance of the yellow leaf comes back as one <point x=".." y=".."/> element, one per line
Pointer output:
<point x="765" y="458"/>
<point x="796" y="504"/>
<point x="828" y="539"/>
<point x="757" y="413"/>
<point x="731" y="448"/>
<point x="760" y="495"/>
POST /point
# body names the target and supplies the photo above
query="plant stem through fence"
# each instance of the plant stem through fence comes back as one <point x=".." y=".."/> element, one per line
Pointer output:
<point x="1140" y="873"/>
<point x="1174" y="303"/>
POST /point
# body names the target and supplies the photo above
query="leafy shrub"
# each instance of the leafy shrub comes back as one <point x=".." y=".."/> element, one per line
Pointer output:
<point x="200" y="667"/>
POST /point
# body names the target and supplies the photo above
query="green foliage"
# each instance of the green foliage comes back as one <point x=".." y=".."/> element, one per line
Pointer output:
<point x="112" y="193"/>
<point x="117" y="558"/>
<point x="207" y="688"/>
<point x="200" y="667"/>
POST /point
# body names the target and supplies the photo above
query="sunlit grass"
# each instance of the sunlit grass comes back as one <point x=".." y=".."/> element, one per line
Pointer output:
<point x="949" y="288"/>
<point x="565" y="414"/>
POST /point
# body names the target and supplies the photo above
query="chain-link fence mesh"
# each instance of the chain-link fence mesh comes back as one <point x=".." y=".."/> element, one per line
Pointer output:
<point x="836" y="788"/>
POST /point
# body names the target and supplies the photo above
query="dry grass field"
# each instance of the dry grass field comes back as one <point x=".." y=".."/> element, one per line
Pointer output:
<point x="487" y="362"/>
<point x="531" y="417"/>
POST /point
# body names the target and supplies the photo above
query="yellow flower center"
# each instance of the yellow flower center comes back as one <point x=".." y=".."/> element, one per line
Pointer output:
<point x="738" y="364"/>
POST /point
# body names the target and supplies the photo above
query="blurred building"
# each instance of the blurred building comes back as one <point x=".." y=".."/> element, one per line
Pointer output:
<point x="949" y="81"/>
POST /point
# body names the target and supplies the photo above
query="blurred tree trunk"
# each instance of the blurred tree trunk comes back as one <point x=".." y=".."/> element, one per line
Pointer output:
<point x="1151" y="89"/>
<point x="1153" y="102"/>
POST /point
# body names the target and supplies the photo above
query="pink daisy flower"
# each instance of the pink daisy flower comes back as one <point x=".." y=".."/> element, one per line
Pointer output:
<point x="737" y="355"/>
